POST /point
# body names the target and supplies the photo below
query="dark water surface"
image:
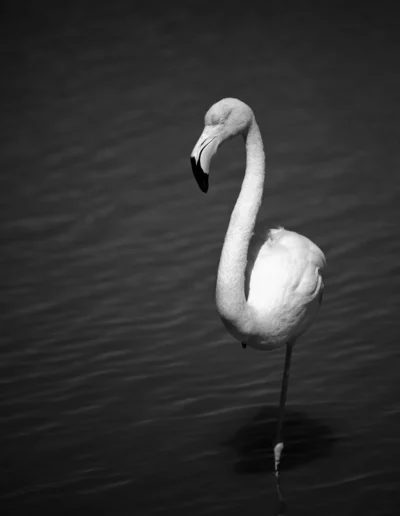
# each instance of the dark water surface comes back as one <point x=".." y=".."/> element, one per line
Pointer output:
<point x="121" y="392"/>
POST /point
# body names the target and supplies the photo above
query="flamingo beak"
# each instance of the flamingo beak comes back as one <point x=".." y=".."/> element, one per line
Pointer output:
<point x="201" y="156"/>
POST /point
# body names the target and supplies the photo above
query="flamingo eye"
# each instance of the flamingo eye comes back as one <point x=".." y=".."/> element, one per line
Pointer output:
<point x="214" y="120"/>
<point x="222" y="120"/>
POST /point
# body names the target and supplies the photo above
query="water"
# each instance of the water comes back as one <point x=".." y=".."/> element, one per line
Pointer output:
<point x="121" y="392"/>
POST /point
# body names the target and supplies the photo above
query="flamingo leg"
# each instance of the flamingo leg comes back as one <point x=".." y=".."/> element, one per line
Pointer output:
<point x="278" y="440"/>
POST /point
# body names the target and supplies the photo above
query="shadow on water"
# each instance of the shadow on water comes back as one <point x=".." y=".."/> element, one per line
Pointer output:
<point x="305" y="439"/>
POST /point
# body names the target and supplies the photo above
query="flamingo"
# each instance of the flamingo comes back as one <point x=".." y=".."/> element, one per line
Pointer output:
<point x="269" y="289"/>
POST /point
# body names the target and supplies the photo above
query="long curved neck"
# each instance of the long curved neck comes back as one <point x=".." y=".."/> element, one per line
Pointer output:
<point x="230" y="292"/>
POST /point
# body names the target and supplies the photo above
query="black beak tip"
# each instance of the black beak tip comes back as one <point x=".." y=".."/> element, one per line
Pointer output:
<point x="199" y="175"/>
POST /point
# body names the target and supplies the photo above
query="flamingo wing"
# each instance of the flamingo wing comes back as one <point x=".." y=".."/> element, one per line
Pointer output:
<point x="285" y="277"/>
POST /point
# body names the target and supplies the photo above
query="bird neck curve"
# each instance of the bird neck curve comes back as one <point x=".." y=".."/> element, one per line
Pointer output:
<point x="230" y="292"/>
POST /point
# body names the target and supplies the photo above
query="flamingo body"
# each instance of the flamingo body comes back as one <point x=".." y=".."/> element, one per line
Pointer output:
<point x="285" y="288"/>
<point x="269" y="289"/>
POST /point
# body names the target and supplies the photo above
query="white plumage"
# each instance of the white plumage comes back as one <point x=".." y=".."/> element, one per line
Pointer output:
<point x="285" y="287"/>
<point x="269" y="289"/>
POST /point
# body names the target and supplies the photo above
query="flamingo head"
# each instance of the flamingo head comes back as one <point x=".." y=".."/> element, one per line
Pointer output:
<point x="224" y="120"/>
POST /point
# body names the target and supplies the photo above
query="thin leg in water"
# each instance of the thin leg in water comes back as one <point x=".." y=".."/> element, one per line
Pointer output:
<point x="278" y="447"/>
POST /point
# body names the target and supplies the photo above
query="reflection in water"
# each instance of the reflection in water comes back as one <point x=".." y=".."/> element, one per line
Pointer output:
<point x="306" y="439"/>
<point x="118" y="381"/>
